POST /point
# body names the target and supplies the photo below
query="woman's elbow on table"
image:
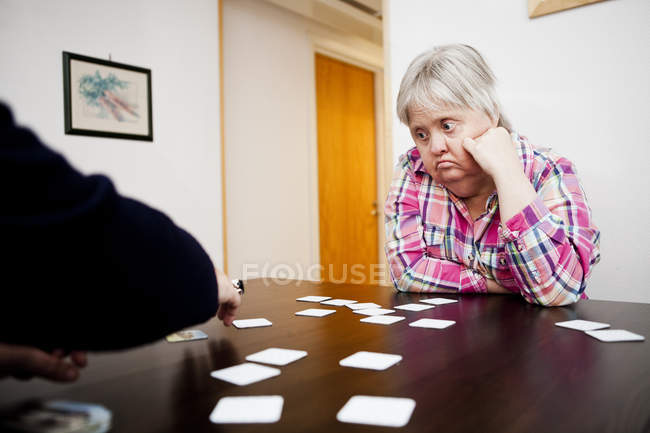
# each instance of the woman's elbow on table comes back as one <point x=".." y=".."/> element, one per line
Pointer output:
<point x="552" y="294"/>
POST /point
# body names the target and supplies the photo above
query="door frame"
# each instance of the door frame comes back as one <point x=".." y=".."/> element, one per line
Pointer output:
<point x="373" y="62"/>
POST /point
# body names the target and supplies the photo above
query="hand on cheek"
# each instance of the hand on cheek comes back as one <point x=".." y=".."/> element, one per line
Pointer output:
<point x="494" y="152"/>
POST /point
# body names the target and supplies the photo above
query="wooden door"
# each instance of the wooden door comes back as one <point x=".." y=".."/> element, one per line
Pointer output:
<point x="347" y="179"/>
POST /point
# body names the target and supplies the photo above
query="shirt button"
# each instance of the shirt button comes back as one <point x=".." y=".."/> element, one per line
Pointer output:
<point x="520" y="247"/>
<point x="502" y="262"/>
<point x="470" y="258"/>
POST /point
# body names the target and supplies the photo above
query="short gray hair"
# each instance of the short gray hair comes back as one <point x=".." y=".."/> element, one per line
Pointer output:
<point x="449" y="76"/>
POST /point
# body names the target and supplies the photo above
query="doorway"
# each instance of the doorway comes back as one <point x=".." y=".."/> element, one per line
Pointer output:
<point x="347" y="174"/>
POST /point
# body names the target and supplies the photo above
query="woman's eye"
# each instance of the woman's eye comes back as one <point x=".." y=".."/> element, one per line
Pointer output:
<point x="448" y="126"/>
<point x="421" y="135"/>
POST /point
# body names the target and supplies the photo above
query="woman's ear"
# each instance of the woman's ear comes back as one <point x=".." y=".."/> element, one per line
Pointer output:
<point x="496" y="122"/>
<point x="502" y="122"/>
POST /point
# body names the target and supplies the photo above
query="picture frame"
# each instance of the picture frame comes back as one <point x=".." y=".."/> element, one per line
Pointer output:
<point x="538" y="8"/>
<point x="103" y="98"/>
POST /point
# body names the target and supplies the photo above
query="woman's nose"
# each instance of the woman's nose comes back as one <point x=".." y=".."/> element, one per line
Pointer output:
<point x="438" y="143"/>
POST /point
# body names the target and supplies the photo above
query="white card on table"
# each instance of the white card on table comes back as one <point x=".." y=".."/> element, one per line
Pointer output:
<point x="414" y="307"/>
<point x="338" y="302"/>
<point x="245" y="374"/>
<point x="251" y="323"/>
<point x="432" y="323"/>
<point x="382" y="320"/>
<point x="374" y="311"/>
<point x="439" y="301"/>
<point x="382" y="411"/>
<point x="613" y="335"/>
<point x="315" y="312"/>
<point x="248" y="409"/>
<point x="582" y="325"/>
<point x="314" y="298"/>
<point x="363" y="306"/>
<point x="370" y="360"/>
<point x="276" y="356"/>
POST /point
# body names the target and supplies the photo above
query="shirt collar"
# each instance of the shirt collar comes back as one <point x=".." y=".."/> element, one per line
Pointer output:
<point x="415" y="161"/>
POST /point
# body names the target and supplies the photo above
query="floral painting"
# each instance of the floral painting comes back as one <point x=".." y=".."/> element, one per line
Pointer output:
<point x="107" y="99"/>
<point x="109" y="96"/>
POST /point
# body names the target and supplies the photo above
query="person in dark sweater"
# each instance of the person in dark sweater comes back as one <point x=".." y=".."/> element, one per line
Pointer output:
<point x="84" y="268"/>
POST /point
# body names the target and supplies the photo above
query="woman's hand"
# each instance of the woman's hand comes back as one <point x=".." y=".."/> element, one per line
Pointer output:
<point x="494" y="287"/>
<point x="495" y="152"/>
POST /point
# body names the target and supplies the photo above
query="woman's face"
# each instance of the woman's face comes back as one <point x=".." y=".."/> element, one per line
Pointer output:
<point x="438" y="136"/>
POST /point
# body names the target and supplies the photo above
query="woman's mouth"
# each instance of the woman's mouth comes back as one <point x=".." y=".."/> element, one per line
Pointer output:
<point x="445" y="164"/>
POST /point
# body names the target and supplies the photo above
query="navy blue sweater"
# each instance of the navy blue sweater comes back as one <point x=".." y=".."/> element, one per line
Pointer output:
<point x="82" y="267"/>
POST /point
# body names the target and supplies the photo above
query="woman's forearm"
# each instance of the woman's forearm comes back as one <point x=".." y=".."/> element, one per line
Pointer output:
<point x="515" y="193"/>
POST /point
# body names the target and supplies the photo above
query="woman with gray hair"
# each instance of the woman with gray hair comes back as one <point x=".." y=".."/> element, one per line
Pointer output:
<point x="474" y="207"/>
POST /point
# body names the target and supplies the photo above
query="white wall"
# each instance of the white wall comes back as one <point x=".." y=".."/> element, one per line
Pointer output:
<point x="269" y="111"/>
<point x="576" y="81"/>
<point x="179" y="172"/>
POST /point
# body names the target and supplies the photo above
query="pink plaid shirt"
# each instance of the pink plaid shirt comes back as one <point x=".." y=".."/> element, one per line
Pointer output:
<point x="545" y="252"/>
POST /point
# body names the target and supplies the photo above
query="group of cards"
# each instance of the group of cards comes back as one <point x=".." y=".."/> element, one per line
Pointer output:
<point x="249" y="372"/>
<point x="375" y="313"/>
<point x="381" y="411"/>
<point x="253" y="409"/>
<point x="596" y="330"/>
<point x="359" y="409"/>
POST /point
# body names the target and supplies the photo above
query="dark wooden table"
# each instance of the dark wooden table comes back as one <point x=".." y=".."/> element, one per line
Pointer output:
<point x="504" y="367"/>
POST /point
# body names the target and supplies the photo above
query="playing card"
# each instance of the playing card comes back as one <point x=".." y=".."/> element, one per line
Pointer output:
<point x="614" y="335"/>
<point x="251" y="323"/>
<point x="245" y="374"/>
<point x="315" y="312"/>
<point x="276" y="356"/>
<point x="432" y="323"/>
<point x="362" y="306"/>
<point x="370" y="360"/>
<point x="382" y="411"/>
<point x="414" y="307"/>
<point x="382" y="320"/>
<point x="374" y="311"/>
<point x="582" y="325"/>
<point x="186" y="336"/>
<point x="248" y="409"/>
<point x="313" y="298"/>
<point x="338" y="302"/>
<point x="439" y="301"/>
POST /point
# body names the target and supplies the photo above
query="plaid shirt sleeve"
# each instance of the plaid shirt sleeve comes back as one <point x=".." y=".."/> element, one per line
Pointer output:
<point x="411" y="268"/>
<point x="552" y="244"/>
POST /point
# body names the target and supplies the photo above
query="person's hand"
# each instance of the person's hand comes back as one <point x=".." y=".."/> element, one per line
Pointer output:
<point x="497" y="155"/>
<point x="229" y="299"/>
<point x="495" y="152"/>
<point x="25" y="362"/>
<point x="494" y="287"/>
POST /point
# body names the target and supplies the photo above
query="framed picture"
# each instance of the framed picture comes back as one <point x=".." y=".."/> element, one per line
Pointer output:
<point x="537" y="8"/>
<point x="106" y="99"/>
